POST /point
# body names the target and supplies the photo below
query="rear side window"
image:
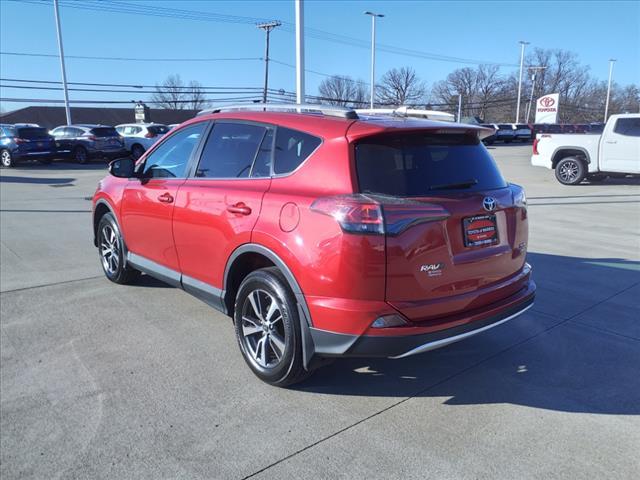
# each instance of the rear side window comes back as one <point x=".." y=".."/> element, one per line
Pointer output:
<point x="30" y="133"/>
<point x="104" y="132"/>
<point x="9" y="131"/>
<point x="230" y="150"/>
<point x="292" y="148"/>
<point x="158" y="129"/>
<point x="423" y="164"/>
<point x="628" y="126"/>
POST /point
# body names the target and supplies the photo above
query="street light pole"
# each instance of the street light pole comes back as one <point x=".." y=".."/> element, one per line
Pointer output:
<point x="459" y="106"/>
<point x="533" y="87"/>
<point x="606" y="105"/>
<point x="373" y="53"/>
<point x="299" y="51"/>
<point x="64" y="71"/>
<point x="267" y="27"/>
<point x="522" y="45"/>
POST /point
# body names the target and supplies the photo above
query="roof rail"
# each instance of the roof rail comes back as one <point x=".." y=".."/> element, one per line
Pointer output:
<point x="328" y="110"/>
<point x="404" y="111"/>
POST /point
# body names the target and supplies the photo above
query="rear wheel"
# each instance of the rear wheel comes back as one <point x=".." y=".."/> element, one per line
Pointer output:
<point x="570" y="171"/>
<point x="268" y="329"/>
<point x="80" y="155"/>
<point x="111" y="251"/>
<point x="137" y="151"/>
<point x="6" y="160"/>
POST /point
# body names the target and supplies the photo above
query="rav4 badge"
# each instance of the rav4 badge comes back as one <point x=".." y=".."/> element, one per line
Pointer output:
<point x="432" y="269"/>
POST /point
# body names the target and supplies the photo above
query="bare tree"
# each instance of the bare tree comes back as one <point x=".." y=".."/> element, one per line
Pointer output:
<point x="170" y="94"/>
<point x="401" y="86"/>
<point x="343" y="91"/>
<point x="195" y="97"/>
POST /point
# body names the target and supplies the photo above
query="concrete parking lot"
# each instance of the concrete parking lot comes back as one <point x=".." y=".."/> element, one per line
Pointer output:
<point x="107" y="381"/>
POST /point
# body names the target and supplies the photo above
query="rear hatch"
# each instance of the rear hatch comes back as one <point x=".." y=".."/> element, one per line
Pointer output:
<point x="34" y="139"/>
<point x="107" y="138"/>
<point x="455" y="230"/>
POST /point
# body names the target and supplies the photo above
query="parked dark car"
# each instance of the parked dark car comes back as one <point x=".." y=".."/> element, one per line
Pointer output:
<point x="596" y="127"/>
<point x="491" y="138"/>
<point x="85" y="142"/>
<point x="505" y="132"/>
<point x="523" y="132"/>
<point x="23" y="142"/>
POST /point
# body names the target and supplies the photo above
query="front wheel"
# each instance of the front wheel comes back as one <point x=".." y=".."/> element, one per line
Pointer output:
<point x="81" y="155"/>
<point x="137" y="151"/>
<point x="570" y="171"/>
<point x="111" y="251"/>
<point x="268" y="329"/>
<point x="6" y="159"/>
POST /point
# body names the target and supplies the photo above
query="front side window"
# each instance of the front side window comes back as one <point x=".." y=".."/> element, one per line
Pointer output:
<point x="230" y="150"/>
<point x="292" y="148"/>
<point x="628" y="126"/>
<point x="171" y="157"/>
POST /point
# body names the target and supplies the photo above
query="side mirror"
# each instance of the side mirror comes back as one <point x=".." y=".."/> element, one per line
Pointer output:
<point x="122" y="168"/>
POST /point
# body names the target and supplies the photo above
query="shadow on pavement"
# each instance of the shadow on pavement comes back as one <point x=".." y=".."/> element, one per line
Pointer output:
<point x="537" y="360"/>
<point x="35" y="180"/>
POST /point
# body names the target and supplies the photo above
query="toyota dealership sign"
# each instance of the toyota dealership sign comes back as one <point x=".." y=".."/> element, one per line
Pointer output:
<point x="547" y="108"/>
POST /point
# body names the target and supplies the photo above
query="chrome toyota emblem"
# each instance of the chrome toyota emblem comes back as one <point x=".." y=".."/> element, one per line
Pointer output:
<point x="489" y="204"/>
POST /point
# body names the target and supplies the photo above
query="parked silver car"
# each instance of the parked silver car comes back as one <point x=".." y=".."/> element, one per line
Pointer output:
<point x="138" y="137"/>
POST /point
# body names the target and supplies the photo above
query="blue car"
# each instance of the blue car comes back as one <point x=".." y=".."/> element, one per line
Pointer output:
<point x="24" y="142"/>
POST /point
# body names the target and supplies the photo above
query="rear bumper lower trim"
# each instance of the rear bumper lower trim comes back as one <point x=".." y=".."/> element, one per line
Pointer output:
<point x="332" y="344"/>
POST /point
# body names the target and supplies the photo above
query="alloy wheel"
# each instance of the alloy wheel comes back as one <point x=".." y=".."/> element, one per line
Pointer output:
<point x="110" y="250"/>
<point x="263" y="332"/>
<point x="5" y="157"/>
<point x="569" y="171"/>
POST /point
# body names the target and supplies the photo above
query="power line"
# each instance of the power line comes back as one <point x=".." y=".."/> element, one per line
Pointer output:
<point x="130" y="59"/>
<point x="289" y="27"/>
<point x="49" y="82"/>
<point x="159" y="90"/>
<point x="124" y="102"/>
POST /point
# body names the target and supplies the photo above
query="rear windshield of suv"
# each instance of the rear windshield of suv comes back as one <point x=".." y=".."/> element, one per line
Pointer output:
<point x="32" y="132"/>
<point x="424" y="164"/>
<point x="158" y="129"/>
<point x="104" y="132"/>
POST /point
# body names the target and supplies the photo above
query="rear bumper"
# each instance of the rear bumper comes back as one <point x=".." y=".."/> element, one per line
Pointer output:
<point x="337" y="344"/>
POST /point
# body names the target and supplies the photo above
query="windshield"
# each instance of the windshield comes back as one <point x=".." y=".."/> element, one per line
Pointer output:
<point x="421" y="164"/>
<point x="32" y="132"/>
<point x="104" y="132"/>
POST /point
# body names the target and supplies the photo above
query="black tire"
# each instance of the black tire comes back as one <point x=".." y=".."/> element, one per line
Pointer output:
<point x="6" y="159"/>
<point x="80" y="155"/>
<point x="570" y="171"/>
<point x="271" y="345"/>
<point x="114" y="264"/>
<point x="137" y="151"/>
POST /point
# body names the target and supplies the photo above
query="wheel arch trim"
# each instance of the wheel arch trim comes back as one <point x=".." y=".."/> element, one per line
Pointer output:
<point x="558" y="150"/>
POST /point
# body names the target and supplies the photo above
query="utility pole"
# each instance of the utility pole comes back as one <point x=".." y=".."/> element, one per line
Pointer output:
<point x="459" y="107"/>
<point x="267" y="27"/>
<point x="373" y="53"/>
<point x="533" y="87"/>
<point x="606" y="105"/>
<point x="64" y="72"/>
<point x="522" y="45"/>
<point x="300" y="52"/>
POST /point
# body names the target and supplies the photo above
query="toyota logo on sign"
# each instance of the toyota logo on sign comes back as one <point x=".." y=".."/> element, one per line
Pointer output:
<point x="489" y="204"/>
<point x="547" y="102"/>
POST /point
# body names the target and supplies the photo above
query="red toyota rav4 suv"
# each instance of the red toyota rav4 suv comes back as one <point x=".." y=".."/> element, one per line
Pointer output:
<point x="322" y="233"/>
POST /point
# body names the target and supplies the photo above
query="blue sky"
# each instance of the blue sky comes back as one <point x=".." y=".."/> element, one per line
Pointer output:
<point x="476" y="30"/>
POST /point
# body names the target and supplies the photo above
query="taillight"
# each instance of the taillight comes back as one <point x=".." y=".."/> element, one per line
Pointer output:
<point x="354" y="213"/>
<point x="149" y="135"/>
<point x="90" y="137"/>
<point x="360" y="213"/>
<point x="20" y="140"/>
<point x="535" y="147"/>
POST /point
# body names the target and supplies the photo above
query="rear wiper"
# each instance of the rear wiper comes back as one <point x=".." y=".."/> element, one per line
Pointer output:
<point x="446" y="186"/>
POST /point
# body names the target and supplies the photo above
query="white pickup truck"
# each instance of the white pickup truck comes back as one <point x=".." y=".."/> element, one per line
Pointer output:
<point x="574" y="157"/>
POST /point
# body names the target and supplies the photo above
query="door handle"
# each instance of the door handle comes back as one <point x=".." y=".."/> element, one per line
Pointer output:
<point x="612" y="141"/>
<point x="165" y="198"/>
<point x="239" y="208"/>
